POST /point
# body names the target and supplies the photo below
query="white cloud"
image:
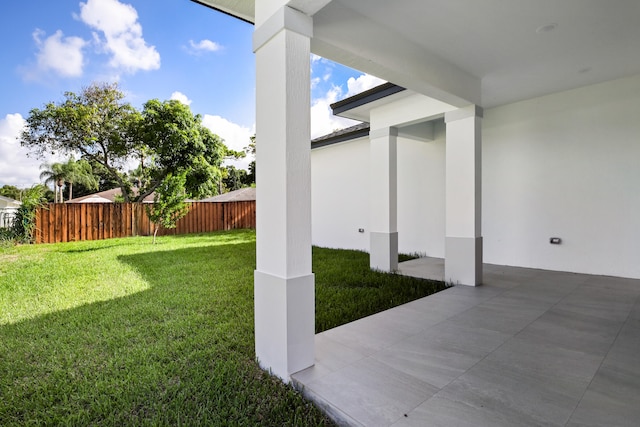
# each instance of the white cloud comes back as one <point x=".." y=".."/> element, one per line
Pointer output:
<point x="362" y="83"/>
<point x="323" y="121"/>
<point x="181" y="97"/>
<point x="315" y="81"/>
<point x="57" y="53"/>
<point x="235" y="137"/>
<point x="203" y="45"/>
<point x="122" y="35"/>
<point x="15" y="167"/>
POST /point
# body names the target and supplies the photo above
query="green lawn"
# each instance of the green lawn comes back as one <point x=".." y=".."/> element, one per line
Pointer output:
<point x="122" y="332"/>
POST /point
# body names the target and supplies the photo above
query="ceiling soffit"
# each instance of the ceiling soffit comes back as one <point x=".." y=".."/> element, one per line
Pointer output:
<point x="488" y="52"/>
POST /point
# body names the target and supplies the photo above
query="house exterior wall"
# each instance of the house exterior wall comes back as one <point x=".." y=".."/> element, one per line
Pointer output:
<point x="8" y="210"/>
<point x="340" y="195"/>
<point x="6" y="216"/>
<point x="564" y="165"/>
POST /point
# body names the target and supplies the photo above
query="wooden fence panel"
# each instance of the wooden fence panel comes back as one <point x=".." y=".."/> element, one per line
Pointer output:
<point x="67" y="222"/>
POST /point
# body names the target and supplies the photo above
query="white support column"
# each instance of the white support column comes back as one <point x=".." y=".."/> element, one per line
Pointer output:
<point x="383" y="254"/>
<point x="284" y="284"/>
<point x="463" y="247"/>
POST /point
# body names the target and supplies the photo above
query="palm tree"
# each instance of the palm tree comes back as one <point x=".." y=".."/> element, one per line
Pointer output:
<point x="138" y="177"/>
<point x="79" y="172"/>
<point x="54" y="173"/>
<point x="70" y="172"/>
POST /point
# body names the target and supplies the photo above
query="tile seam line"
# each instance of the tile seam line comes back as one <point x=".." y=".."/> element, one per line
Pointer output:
<point x="637" y="300"/>
<point x="503" y="343"/>
<point x="435" y="324"/>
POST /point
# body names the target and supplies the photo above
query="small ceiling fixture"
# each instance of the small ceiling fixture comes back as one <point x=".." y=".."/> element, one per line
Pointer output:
<point x="546" y="28"/>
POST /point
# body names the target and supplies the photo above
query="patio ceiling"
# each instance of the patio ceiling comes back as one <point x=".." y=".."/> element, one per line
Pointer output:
<point x="488" y="52"/>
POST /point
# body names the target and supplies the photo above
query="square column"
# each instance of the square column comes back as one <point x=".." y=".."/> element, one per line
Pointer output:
<point x="463" y="246"/>
<point x="284" y="294"/>
<point x="383" y="254"/>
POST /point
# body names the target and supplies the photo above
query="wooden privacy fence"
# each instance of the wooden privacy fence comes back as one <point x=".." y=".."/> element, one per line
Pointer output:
<point x="69" y="222"/>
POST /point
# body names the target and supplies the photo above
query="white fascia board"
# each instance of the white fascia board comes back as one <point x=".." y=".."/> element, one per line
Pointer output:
<point x="363" y="112"/>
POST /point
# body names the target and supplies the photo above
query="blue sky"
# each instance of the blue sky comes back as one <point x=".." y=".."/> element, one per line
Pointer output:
<point x="154" y="49"/>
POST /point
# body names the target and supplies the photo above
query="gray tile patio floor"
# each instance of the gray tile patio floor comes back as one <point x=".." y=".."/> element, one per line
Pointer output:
<point x="528" y="348"/>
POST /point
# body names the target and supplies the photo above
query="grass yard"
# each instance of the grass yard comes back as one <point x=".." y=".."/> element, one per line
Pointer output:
<point x="122" y="332"/>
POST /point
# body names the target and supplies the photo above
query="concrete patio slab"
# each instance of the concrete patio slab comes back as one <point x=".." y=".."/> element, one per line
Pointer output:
<point x="528" y="348"/>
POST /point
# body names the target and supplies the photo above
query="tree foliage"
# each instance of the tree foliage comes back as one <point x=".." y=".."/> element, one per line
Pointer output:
<point x="53" y="174"/>
<point x="79" y="172"/>
<point x="168" y="203"/>
<point x="233" y="178"/>
<point x="166" y="138"/>
<point x="251" y="149"/>
<point x="70" y="173"/>
<point x="95" y="124"/>
<point x="178" y="144"/>
<point x="24" y="223"/>
<point x="11" y="192"/>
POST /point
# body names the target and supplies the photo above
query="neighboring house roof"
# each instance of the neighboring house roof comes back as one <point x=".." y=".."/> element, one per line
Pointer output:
<point x="347" y="134"/>
<point x="360" y="130"/>
<point x="107" y="196"/>
<point x="360" y="106"/>
<point x="241" y="195"/>
<point x="8" y="202"/>
<point x="93" y="199"/>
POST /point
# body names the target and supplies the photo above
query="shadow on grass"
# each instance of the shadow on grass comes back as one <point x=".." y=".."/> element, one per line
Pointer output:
<point x="180" y="352"/>
<point x="87" y="249"/>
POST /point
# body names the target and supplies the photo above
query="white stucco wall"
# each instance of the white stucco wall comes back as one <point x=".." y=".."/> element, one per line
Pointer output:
<point x="565" y="165"/>
<point x="340" y="195"/>
<point x="421" y="207"/>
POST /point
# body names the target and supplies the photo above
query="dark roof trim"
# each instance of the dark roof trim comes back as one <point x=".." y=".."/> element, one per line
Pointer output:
<point x="358" y="131"/>
<point x="222" y="11"/>
<point x="365" y="97"/>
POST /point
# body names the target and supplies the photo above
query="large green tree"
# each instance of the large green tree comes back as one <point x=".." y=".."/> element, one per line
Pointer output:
<point x="165" y="137"/>
<point x="94" y="123"/>
<point x="178" y="145"/>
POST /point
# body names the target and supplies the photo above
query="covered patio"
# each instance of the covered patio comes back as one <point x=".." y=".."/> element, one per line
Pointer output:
<point x="528" y="348"/>
<point x="518" y="104"/>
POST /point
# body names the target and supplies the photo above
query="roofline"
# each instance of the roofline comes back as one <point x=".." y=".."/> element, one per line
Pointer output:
<point x="201" y="2"/>
<point x="9" y="199"/>
<point x="323" y="142"/>
<point x="365" y="97"/>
